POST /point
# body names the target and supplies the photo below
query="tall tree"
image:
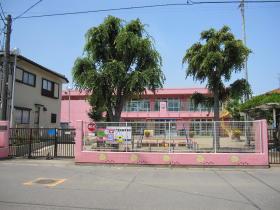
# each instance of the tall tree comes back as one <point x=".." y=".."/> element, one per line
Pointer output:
<point x="119" y="62"/>
<point x="213" y="60"/>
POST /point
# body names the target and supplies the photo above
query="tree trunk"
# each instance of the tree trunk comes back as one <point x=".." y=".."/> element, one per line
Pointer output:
<point x="118" y="109"/>
<point x="216" y="140"/>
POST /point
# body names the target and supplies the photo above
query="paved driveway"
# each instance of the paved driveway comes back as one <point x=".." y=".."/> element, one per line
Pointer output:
<point x="123" y="187"/>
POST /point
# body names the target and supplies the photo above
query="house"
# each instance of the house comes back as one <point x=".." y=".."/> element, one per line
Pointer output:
<point x="168" y="104"/>
<point x="35" y="100"/>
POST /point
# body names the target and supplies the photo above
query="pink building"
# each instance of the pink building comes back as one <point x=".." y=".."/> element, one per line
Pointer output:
<point x="168" y="104"/>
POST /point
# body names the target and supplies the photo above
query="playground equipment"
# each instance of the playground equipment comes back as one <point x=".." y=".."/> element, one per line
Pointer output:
<point x="228" y="131"/>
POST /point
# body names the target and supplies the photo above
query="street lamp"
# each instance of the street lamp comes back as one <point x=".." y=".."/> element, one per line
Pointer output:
<point x="16" y="52"/>
<point x="69" y="88"/>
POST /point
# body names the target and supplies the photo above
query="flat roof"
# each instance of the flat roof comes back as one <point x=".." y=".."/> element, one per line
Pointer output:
<point x="162" y="91"/>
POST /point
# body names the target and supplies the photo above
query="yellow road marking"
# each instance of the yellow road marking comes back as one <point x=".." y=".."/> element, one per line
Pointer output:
<point x="55" y="183"/>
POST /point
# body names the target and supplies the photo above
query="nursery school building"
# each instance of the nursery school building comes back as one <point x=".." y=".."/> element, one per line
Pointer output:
<point x="168" y="104"/>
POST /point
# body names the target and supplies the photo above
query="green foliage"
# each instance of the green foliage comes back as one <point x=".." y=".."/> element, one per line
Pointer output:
<point x="213" y="60"/>
<point x="119" y="62"/>
<point x="260" y="100"/>
<point x="233" y="107"/>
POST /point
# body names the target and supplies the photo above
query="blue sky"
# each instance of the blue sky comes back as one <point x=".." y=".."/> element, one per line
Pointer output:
<point x="56" y="42"/>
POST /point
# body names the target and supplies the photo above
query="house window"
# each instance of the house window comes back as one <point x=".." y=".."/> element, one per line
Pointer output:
<point x="53" y="118"/>
<point x="26" y="77"/>
<point x="22" y="115"/>
<point x="50" y="89"/>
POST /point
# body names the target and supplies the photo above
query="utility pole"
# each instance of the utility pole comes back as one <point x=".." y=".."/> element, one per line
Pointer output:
<point x="6" y="69"/>
<point x="242" y="9"/>
<point x="279" y="80"/>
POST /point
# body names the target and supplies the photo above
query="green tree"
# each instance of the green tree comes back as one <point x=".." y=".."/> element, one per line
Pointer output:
<point x="213" y="60"/>
<point x="119" y="62"/>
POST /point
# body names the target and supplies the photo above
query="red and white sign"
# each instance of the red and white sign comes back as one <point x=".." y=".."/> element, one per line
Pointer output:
<point x="92" y="126"/>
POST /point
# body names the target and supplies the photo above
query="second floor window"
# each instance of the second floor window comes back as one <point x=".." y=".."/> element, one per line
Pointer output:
<point x="137" y="106"/>
<point x="26" y="77"/>
<point x="49" y="88"/>
<point x="172" y="104"/>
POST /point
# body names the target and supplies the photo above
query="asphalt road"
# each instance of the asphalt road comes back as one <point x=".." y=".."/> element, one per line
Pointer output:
<point x="127" y="187"/>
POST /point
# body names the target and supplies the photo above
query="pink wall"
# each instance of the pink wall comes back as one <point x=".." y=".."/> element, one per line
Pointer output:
<point x="78" y="110"/>
<point x="214" y="159"/>
<point x="79" y="107"/>
<point x="4" y="139"/>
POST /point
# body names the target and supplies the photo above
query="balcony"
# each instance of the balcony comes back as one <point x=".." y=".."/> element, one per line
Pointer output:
<point x="167" y="114"/>
<point x="159" y="110"/>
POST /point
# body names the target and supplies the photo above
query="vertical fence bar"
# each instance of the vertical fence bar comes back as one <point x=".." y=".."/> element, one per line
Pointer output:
<point x="215" y="137"/>
<point x="169" y="136"/>
<point x="30" y="142"/>
<point x="55" y="143"/>
<point x="261" y="137"/>
<point x="126" y="136"/>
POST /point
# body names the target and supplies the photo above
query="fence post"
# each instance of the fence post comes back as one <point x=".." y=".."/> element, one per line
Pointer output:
<point x="215" y="137"/>
<point x="169" y="136"/>
<point x="126" y="136"/>
<point x="55" y="143"/>
<point x="30" y="144"/>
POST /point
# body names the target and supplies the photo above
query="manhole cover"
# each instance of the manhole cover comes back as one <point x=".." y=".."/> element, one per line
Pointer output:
<point x="45" y="181"/>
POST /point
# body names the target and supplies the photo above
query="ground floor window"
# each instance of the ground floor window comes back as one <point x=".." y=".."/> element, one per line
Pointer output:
<point x="22" y="115"/>
<point x="53" y="118"/>
<point x="202" y="127"/>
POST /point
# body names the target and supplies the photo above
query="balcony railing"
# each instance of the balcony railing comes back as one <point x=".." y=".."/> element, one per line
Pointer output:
<point x="154" y="107"/>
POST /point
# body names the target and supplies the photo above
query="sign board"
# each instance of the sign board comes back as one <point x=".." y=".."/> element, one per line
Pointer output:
<point x="162" y="106"/>
<point x="119" y="132"/>
<point x="91" y="126"/>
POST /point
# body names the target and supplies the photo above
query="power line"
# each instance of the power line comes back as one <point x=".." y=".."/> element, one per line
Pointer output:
<point x="2" y="13"/>
<point x="188" y="3"/>
<point x="25" y="11"/>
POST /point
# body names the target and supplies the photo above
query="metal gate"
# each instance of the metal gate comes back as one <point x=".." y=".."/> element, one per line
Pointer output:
<point x="41" y="142"/>
<point x="273" y="146"/>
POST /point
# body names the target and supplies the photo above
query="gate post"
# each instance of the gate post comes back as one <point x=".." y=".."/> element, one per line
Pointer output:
<point x="4" y="139"/>
<point x="30" y="144"/>
<point x="55" y="143"/>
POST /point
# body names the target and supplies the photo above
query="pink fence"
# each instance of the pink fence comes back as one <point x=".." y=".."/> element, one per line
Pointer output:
<point x="173" y="145"/>
<point x="4" y="139"/>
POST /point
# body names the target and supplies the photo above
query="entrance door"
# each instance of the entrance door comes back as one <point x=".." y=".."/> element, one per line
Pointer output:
<point x="37" y="116"/>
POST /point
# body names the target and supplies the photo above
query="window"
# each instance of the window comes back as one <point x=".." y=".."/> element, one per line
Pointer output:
<point x="50" y="89"/>
<point x="172" y="104"/>
<point x="26" y="77"/>
<point x="157" y="103"/>
<point x="22" y="115"/>
<point x="199" y="108"/>
<point x="137" y="106"/>
<point x="53" y="118"/>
